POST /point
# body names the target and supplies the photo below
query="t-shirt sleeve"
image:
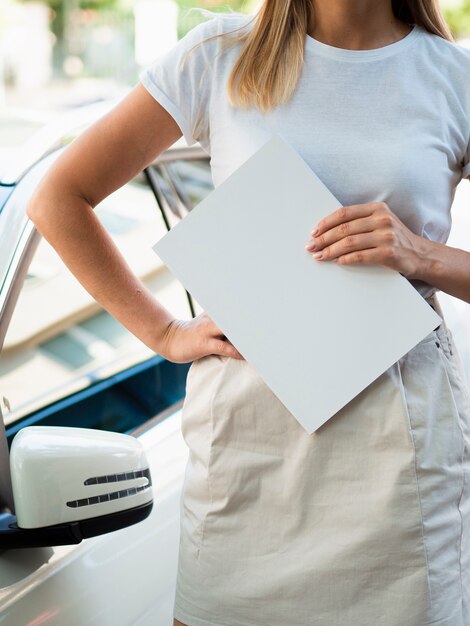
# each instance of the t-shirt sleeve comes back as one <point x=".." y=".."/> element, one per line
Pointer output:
<point x="181" y="82"/>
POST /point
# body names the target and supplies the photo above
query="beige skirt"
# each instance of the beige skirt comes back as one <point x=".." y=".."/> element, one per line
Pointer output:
<point x="366" y="522"/>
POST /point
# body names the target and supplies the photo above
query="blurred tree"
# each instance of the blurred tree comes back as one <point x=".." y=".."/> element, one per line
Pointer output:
<point x="65" y="18"/>
<point x="458" y="18"/>
<point x="188" y="19"/>
<point x="64" y="24"/>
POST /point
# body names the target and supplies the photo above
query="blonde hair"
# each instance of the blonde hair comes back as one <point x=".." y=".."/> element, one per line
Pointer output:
<point x="268" y="68"/>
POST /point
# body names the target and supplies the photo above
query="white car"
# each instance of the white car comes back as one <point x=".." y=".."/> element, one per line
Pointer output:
<point x="65" y="362"/>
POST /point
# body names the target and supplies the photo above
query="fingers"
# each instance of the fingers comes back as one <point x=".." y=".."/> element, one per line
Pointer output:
<point x="344" y="214"/>
<point x="214" y="339"/>
<point x="224" y="348"/>
<point x="368" y="233"/>
<point x="342" y="231"/>
<point x="350" y="244"/>
<point x="371" y="256"/>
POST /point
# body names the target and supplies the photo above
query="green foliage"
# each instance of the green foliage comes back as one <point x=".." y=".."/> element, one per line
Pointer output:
<point x="57" y="5"/>
<point x="458" y="18"/>
<point x="189" y="18"/>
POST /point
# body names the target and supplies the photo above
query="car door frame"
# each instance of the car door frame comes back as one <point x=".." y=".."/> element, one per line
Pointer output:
<point x="27" y="242"/>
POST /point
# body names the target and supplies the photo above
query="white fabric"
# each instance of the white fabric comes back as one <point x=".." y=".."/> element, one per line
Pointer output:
<point x="367" y="521"/>
<point x="390" y="124"/>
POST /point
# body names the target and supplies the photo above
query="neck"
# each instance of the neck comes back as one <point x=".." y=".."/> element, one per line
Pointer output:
<point x="356" y="24"/>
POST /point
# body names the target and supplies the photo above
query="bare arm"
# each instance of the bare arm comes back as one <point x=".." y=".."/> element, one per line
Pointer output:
<point x="107" y="155"/>
<point x="444" y="267"/>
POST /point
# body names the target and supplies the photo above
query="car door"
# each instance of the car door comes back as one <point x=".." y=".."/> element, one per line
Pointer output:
<point x="65" y="361"/>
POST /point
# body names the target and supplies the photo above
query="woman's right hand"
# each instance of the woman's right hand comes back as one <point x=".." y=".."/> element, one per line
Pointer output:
<point x="188" y="340"/>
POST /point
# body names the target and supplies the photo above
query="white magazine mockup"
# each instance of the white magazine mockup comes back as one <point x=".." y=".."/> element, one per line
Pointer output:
<point x="317" y="332"/>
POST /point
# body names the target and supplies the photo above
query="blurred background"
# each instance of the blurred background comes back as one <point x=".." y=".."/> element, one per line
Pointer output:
<point x="58" y="54"/>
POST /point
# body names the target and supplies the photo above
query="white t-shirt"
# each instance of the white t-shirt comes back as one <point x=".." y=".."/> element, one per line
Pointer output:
<point x="389" y="124"/>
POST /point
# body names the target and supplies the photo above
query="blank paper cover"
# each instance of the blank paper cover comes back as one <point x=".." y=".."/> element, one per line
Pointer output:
<point x="317" y="333"/>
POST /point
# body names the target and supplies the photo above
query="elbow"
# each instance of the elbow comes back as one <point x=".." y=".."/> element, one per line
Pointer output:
<point x="42" y="200"/>
<point x="37" y="215"/>
<point x="33" y="208"/>
<point x="55" y="196"/>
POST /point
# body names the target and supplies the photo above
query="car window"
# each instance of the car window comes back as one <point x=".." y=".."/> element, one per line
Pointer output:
<point x="181" y="185"/>
<point x="193" y="180"/>
<point x="59" y="339"/>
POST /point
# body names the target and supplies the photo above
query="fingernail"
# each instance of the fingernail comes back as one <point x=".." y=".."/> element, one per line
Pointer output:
<point x="317" y="255"/>
<point x="310" y="245"/>
<point x="314" y="231"/>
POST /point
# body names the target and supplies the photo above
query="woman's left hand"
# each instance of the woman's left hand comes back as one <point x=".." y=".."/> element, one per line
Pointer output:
<point x="367" y="233"/>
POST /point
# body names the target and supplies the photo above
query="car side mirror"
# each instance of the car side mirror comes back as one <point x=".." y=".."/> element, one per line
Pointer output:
<point x="73" y="483"/>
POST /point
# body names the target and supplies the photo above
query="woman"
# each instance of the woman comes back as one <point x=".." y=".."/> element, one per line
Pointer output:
<point x="366" y="521"/>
